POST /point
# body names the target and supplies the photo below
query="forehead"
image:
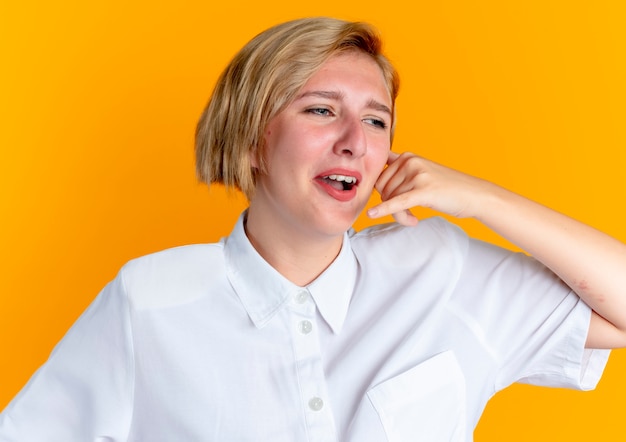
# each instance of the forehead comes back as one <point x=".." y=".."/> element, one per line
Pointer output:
<point x="352" y="71"/>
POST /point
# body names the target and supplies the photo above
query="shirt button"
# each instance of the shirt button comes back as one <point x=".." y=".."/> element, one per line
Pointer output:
<point x="316" y="404"/>
<point x="305" y="327"/>
<point x="302" y="296"/>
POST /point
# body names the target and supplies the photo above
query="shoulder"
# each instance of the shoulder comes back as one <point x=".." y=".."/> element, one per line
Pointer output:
<point x="173" y="275"/>
<point x="429" y="236"/>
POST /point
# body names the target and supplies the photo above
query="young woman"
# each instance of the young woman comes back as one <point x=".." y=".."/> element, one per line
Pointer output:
<point x="296" y="327"/>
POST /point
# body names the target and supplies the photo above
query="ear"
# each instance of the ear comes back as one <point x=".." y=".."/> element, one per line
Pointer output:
<point x="256" y="153"/>
<point x="253" y="157"/>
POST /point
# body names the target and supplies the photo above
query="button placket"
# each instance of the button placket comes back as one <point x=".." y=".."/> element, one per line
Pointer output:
<point x="313" y="390"/>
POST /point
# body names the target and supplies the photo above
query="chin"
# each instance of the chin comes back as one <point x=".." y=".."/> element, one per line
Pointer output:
<point x="337" y="225"/>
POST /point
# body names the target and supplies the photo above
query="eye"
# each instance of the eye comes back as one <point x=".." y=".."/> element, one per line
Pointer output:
<point x="376" y="122"/>
<point x="320" y="111"/>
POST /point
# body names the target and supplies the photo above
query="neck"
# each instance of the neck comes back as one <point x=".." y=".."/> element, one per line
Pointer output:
<point x="298" y="257"/>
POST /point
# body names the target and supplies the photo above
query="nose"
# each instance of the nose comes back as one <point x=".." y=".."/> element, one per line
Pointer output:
<point x="352" y="140"/>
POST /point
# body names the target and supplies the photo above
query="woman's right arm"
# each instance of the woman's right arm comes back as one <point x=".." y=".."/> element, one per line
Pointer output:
<point x="84" y="391"/>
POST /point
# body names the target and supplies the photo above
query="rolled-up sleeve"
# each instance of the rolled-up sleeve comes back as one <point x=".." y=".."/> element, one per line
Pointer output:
<point x="533" y="325"/>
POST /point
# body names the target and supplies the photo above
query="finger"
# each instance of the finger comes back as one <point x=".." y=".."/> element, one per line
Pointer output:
<point x="387" y="171"/>
<point x="394" y="205"/>
<point x="398" y="184"/>
<point x="392" y="157"/>
<point x="390" y="178"/>
<point x="406" y="218"/>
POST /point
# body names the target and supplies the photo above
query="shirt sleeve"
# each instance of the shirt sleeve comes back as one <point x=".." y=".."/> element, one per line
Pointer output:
<point x="529" y="320"/>
<point x="83" y="392"/>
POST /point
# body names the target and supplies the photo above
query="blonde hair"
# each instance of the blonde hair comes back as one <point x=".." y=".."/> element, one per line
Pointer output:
<point x="260" y="81"/>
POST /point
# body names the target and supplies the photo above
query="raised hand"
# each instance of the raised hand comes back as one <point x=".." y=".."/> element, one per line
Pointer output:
<point x="410" y="181"/>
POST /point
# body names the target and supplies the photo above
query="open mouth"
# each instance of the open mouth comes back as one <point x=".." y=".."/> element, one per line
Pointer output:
<point x="340" y="182"/>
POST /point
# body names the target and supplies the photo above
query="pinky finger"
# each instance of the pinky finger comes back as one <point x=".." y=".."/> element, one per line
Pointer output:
<point x="406" y="218"/>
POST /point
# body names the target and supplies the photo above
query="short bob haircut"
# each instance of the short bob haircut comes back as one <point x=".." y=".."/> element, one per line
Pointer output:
<point x="260" y="81"/>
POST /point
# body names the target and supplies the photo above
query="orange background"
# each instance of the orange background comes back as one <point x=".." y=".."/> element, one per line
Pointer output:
<point x="99" y="101"/>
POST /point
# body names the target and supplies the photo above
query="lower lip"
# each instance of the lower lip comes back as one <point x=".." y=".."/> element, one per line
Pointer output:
<point x="340" y="195"/>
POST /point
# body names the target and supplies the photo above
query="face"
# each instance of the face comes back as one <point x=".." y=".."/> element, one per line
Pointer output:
<point x="325" y="150"/>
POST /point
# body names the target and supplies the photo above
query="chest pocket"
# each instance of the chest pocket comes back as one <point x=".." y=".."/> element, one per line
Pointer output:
<point x="425" y="403"/>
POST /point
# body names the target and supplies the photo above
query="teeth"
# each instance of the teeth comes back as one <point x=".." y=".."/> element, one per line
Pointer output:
<point x="347" y="179"/>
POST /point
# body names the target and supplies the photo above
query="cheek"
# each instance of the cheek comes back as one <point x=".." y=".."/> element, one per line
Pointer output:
<point x="377" y="164"/>
<point x="380" y="159"/>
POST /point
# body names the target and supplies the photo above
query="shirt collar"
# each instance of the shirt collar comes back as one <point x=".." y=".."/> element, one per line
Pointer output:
<point x="263" y="291"/>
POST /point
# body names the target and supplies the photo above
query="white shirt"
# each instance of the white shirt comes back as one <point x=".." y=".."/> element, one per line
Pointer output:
<point x="404" y="337"/>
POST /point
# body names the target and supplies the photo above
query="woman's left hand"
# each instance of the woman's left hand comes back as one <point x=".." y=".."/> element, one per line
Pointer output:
<point x="411" y="181"/>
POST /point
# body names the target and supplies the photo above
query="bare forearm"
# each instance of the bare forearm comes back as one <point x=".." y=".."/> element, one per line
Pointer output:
<point x="592" y="263"/>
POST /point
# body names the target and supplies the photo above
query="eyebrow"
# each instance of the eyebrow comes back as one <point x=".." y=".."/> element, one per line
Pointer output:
<point x="334" y="95"/>
<point x="377" y="105"/>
